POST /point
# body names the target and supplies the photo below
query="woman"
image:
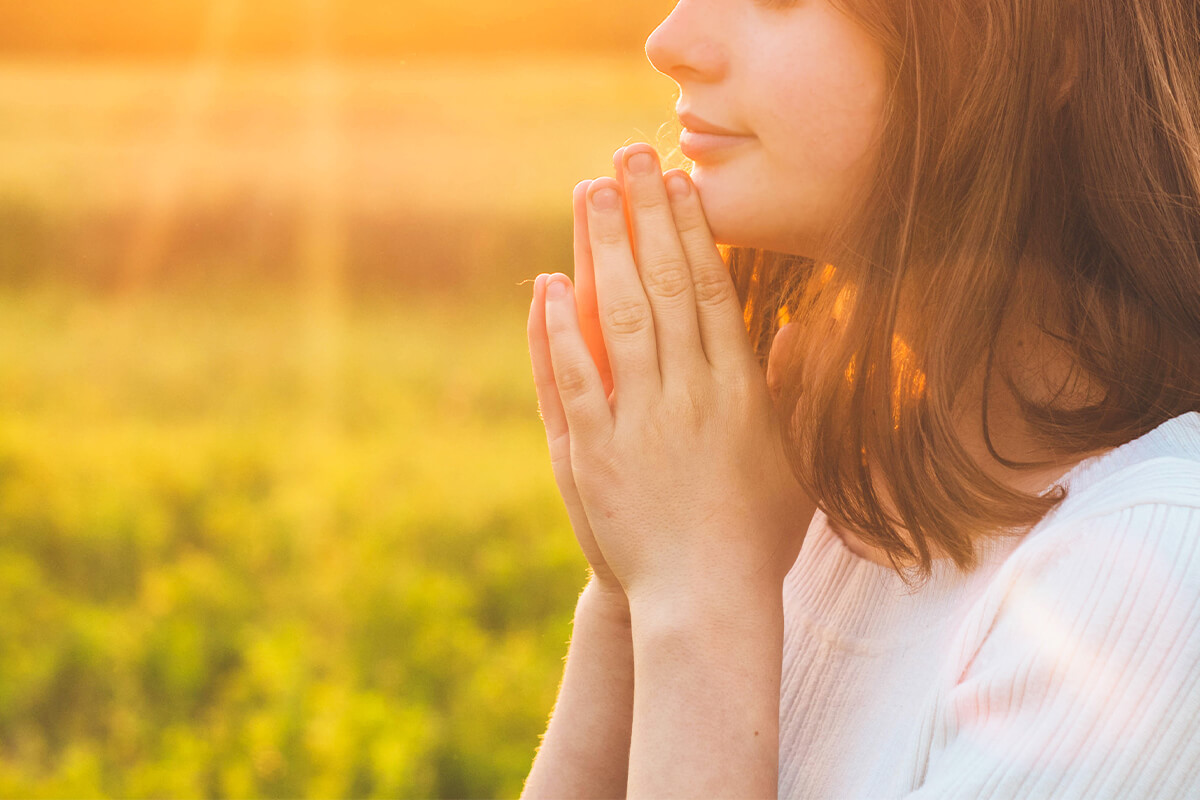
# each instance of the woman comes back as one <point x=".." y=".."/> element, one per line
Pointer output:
<point x="933" y="528"/>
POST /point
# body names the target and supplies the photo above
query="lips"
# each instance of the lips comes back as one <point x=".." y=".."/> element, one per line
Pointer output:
<point x="700" y="125"/>
<point x="702" y="140"/>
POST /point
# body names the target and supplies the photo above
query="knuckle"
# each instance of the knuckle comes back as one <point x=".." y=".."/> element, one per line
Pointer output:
<point x="690" y="405"/>
<point x="645" y="201"/>
<point x="714" y="288"/>
<point x="609" y="235"/>
<point x="692" y="225"/>
<point x="606" y="459"/>
<point x="560" y="454"/>
<point x="687" y="224"/>
<point x="596" y="464"/>
<point x="607" y="228"/>
<point x="628" y="317"/>
<point x="665" y="278"/>
<point x="572" y="381"/>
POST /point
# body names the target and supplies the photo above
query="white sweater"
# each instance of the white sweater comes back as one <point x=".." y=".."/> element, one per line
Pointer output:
<point x="1067" y="665"/>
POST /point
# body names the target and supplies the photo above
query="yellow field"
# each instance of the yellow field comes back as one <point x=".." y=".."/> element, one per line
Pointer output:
<point x="276" y="513"/>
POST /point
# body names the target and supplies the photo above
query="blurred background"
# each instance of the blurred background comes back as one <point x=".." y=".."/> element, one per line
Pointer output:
<point x="277" y="517"/>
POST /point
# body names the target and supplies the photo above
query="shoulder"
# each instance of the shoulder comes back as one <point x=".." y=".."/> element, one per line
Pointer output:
<point x="1115" y="571"/>
<point x="1120" y="555"/>
<point x="1076" y="673"/>
<point x="1163" y="480"/>
<point x="1145" y="506"/>
<point x="1129" y="564"/>
<point x="1110" y="544"/>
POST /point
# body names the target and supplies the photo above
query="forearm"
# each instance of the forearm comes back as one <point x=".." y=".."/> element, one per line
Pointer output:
<point x="706" y="712"/>
<point x="585" y="750"/>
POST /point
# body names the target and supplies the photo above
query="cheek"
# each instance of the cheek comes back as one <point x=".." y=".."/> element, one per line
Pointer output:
<point x="828" y="109"/>
<point x="816" y="95"/>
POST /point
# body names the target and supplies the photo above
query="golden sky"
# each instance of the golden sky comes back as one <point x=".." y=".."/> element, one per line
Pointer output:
<point x="353" y="28"/>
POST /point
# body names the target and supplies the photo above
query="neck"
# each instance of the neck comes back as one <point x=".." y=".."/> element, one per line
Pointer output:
<point x="1041" y="369"/>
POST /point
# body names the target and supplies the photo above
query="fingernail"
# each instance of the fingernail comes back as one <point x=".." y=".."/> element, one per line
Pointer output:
<point x="556" y="288"/>
<point x="677" y="186"/>
<point x="605" y="199"/>
<point x="640" y="163"/>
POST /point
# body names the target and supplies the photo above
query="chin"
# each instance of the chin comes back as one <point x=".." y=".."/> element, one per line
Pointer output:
<point x="738" y="230"/>
<point x="736" y="220"/>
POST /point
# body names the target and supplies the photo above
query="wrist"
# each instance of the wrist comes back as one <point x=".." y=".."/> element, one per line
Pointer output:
<point x="720" y="610"/>
<point x="605" y="602"/>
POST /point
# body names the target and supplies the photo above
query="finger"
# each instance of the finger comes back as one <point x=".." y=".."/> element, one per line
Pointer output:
<point x="625" y="314"/>
<point x="618" y="159"/>
<point x="719" y="312"/>
<point x="589" y="418"/>
<point x="585" y="288"/>
<point x="549" y="404"/>
<point x="551" y="410"/>
<point x="618" y="170"/>
<point x="663" y="266"/>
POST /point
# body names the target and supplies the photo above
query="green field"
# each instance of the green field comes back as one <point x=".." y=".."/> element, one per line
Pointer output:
<point x="276" y="513"/>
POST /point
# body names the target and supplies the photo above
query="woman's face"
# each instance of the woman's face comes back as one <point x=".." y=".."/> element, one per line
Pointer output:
<point x="807" y="87"/>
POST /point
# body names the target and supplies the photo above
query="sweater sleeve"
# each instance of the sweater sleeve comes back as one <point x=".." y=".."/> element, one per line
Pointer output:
<point x="1087" y="682"/>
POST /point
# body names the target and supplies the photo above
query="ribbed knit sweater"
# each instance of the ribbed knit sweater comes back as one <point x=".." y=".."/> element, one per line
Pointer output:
<point x="1067" y="665"/>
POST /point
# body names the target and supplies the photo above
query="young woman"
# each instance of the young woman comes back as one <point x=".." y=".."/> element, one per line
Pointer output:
<point x="895" y="491"/>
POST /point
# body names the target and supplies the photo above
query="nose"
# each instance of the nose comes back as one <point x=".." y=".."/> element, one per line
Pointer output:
<point x="684" y="45"/>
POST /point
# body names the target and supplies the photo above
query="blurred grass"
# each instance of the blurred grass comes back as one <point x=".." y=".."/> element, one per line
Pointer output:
<point x="227" y="574"/>
<point x="276" y="517"/>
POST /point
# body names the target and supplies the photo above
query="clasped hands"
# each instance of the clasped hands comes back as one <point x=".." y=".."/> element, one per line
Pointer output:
<point x="663" y="436"/>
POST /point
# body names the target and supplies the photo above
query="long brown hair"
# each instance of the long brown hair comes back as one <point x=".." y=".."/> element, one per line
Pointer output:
<point x="1013" y="127"/>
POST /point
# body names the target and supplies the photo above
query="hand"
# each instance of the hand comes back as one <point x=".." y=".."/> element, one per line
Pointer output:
<point x="550" y="405"/>
<point x="679" y="467"/>
<point x="585" y="279"/>
<point x="558" y="439"/>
